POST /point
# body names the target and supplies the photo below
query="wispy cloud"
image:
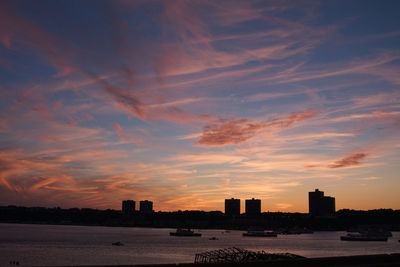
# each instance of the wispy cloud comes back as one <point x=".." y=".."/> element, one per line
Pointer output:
<point x="380" y="115"/>
<point x="372" y="178"/>
<point x="225" y="132"/>
<point x="127" y="136"/>
<point x="353" y="159"/>
<point x="283" y="206"/>
<point x="122" y="97"/>
<point x="229" y="132"/>
<point x="206" y="159"/>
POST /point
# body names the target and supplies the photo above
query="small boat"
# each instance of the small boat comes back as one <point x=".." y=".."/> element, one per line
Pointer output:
<point x="213" y="238"/>
<point x="294" y="231"/>
<point x="363" y="237"/>
<point x="371" y="230"/>
<point x="117" y="244"/>
<point x="257" y="232"/>
<point x="184" y="232"/>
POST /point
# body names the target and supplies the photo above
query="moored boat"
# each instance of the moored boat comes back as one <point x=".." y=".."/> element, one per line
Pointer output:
<point x="293" y="231"/>
<point x="363" y="237"/>
<point x="371" y="230"/>
<point x="184" y="232"/>
<point x="256" y="232"/>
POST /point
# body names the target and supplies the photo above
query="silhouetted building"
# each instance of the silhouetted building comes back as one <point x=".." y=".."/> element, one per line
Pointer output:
<point x="320" y="205"/>
<point x="128" y="206"/>
<point x="232" y="207"/>
<point x="146" y="206"/>
<point x="253" y="207"/>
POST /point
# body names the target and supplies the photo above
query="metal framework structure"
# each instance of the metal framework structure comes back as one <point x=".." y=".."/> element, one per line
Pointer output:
<point x="237" y="255"/>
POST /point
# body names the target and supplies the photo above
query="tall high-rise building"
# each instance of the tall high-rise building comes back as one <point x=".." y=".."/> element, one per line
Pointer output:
<point x="320" y="205"/>
<point x="146" y="206"/>
<point x="128" y="206"/>
<point x="232" y="207"/>
<point x="253" y="207"/>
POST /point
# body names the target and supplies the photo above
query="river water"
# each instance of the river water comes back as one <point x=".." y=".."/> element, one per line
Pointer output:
<point x="42" y="245"/>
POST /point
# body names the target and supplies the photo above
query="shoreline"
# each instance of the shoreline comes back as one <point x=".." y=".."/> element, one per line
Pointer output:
<point x="342" y="220"/>
<point x="163" y="227"/>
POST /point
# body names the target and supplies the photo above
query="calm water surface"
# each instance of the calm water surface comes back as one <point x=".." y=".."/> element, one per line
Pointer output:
<point x="89" y="245"/>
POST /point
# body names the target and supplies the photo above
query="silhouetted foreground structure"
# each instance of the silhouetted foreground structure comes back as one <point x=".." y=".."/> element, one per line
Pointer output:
<point x="320" y="205"/>
<point x="238" y="255"/>
<point x="343" y="220"/>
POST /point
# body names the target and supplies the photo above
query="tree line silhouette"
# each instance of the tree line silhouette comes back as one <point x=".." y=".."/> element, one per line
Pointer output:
<point x="343" y="219"/>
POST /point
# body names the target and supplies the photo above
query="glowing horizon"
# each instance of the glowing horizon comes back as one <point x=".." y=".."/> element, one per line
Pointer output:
<point x="189" y="103"/>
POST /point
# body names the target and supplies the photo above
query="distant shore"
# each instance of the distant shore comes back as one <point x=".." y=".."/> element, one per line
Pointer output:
<point x="342" y="220"/>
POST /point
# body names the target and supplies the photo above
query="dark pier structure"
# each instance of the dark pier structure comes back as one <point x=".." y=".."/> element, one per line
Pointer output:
<point x="237" y="255"/>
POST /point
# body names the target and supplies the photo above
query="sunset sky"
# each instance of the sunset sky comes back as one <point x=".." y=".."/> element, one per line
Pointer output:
<point x="187" y="103"/>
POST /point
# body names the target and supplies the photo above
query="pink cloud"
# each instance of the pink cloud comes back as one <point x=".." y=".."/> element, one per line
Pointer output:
<point x="353" y="159"/>
<point x="176" y="114"/>
<point x="286" y="122"/>
<point x="40" y="108"/>
<point x="163" y="111"/>
<point x="118" y="129"/>
<point x="5" y="40"/>
<point x="182" y="19"/>
<point x="16" y="29"/>
<point x="377" y="115"/>
<point x="225" y="132"/>
<point x="228" y="15"/>
<point x="4" y="125"/>
<point x="191" y="51"/>
<point x="373" y="66"/>
<point x="122" y="97"/>
<point x="127" y="136"/>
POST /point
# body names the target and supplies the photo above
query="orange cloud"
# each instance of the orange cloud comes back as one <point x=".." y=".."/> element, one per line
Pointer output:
<point x="284" y="206"/>
<point x="372" y="178"/>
